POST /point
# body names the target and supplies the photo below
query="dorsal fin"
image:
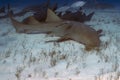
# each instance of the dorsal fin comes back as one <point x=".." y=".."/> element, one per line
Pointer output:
<point x="52" y="17"/>
<point x="30" y="20"/>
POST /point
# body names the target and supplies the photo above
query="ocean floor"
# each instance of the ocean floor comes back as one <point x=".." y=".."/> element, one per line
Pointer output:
<point x="28" y="57"/>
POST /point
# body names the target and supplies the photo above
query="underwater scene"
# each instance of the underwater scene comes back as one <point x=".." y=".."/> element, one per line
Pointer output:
<point x="59" y="39"/>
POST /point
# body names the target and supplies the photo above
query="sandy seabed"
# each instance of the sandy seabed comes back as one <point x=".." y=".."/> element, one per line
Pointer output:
<point x="28" y="57"/>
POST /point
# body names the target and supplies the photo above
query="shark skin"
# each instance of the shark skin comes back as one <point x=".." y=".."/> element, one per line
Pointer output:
<point x="29" y="28"/>
<point x="84" y="34"/>
<point x="66" y="30"/>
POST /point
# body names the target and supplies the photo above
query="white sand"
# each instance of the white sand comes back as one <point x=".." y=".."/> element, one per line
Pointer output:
<point x="28" y="57"/>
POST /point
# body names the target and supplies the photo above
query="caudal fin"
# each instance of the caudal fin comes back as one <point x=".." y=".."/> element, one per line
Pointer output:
<point x="17" y="25"/>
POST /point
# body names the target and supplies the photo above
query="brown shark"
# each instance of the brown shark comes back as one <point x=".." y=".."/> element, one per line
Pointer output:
<point x="76" y="16"/>
<point x="66" y="30"/>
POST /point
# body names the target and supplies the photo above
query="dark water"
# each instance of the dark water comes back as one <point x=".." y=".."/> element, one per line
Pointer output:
<point x="60" y="2"/>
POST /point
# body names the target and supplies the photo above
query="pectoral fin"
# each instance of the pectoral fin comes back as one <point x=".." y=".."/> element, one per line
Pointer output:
<point x="62" y="39"/>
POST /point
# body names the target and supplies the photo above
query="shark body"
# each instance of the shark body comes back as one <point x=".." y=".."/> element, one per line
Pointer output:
<point x="66" y="30"/>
